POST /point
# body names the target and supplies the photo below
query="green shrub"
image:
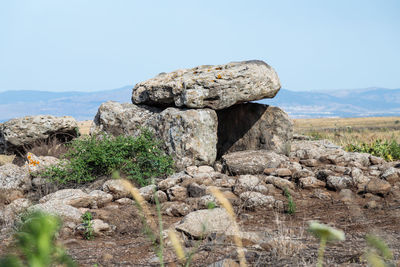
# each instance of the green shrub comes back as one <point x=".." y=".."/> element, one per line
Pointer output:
<point x="35" y="243"/>
<point x="291" y="205"/>
<point x="139" y="158"/>
<point x="87" y="218"/>
<point x="389" y="150"/>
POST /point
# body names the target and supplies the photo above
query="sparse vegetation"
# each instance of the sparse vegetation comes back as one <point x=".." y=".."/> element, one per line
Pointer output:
<point x="87" y="218"/>
<point x="378" y="254"/>
<point x="291" y="205"/>
<point x="325" y="234"/>
<point x="139" y="158"/>
<point x="389" y="150"/>
<point x="35" y="243"/>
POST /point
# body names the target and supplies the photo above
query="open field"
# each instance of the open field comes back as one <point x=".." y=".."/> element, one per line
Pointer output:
<point x="343" y="131"/>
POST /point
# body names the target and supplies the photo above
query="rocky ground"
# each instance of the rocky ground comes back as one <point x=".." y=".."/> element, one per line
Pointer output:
<point x="357" y="193"/>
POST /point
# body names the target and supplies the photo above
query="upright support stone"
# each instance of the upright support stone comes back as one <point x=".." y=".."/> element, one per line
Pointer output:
<point x="189" y="135"/>
<point x="253" y="126"/>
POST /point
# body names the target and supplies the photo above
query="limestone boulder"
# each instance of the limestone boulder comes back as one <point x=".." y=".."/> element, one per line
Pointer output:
<point x="200" y="223"/>
<point x="175" y="209"/>
<point x="36" y="164"/>
<point x="14" y="178"/>
<point x="9" y="213"/>
<point x="251" y="161"/>
<point x="216" y="87"/>
<point x="73" y="197"/>
<point x="18" y="134"/>
<point x="117" y="189"/>
<point x="253" y="126"/>
<point x="256" y="199"/>
<point x="188" y="135"/>
<point x="339" y="182"/>
<point x="66" y="212"/>
<point x="378" y="187"/>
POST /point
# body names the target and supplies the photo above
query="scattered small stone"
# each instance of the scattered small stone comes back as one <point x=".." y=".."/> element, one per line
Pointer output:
<point x="256" y="199"/>
<point x="99" y="226"/>
<point x="339" y="182"/>
<point x="125" y="201"/>
<point x="378" y="186"/>
<point x="311" y="182"/>
<point x="147" y="192"/>
<point x="161" y="195"/>
<point x="279" y="182"/>
<point x="346" y="195"/>
<point x="177" y="193"/>
<point x="195" y="190"/>
<point x="283" y="172"/>
<point x="175" y="209"/>
<point x="116" y="188"/>
<point x="205" y="169"/>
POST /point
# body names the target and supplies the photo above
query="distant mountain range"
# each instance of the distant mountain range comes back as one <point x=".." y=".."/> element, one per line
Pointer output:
<point x="367" y="102"/>
<point x="83" y="105"/>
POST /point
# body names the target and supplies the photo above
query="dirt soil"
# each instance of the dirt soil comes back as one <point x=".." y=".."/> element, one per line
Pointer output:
<point x="290" y="243"/>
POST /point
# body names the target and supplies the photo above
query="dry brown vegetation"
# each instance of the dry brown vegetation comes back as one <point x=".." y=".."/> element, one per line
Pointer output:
<point x="344" y="131"/>
<point x="84" y="127"/>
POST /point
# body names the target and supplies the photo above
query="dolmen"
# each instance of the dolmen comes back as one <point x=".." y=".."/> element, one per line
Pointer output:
<point x="203" y="113"/>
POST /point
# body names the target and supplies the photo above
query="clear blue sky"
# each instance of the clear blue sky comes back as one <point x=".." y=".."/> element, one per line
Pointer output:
<point x="91" y="45"/>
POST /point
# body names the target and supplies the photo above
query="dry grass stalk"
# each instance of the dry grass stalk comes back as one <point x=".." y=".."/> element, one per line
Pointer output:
<point x="4" y="159"/>
<point x="177" y="245"/>
<point x="228" y="207"/>
<point x="141" y="203"/>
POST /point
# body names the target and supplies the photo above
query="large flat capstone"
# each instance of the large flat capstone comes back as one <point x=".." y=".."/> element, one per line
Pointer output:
<point x="216" y="87"/>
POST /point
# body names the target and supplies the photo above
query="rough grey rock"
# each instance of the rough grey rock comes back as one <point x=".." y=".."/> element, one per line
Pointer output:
<point x="215" y="87"/>
<point x="378" y="186"/>
<point x="247" y="183"/>
<point x="189" y="135"/>
<point x="311" y="182"/>
<point x="100" y="226"/>
<point x="177" y="193"/>
<point x="161" y="195"/>
<point x="11" y="211"/>
<point x="13" y="177"/>
<point x="314" y="149"/>
<point x="195" y="190"/>
<point x="175" y="209"/>
<point x="253" y="126"/>
<point x="42" y="162"/>
<point x="256" y="199"/>
<point x="116" y="188"/>
<point x="224" y="263"/>
<point x="339" y="182"/>
<point x="200" y="223"/>
<point x="18" y="134"/>
<point x="73" y="197"/>
<point x="391" y="174"/>
<point x="100" y="198"/>
<point x="147" y="192"/>
<point x="346" y="195"/>
<point x="66" y="212"/>
<point x="168" y="183"/>
<point x="205" y="169"/>
<point x="279" y="182"/>
<point x="251" y="161"/>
